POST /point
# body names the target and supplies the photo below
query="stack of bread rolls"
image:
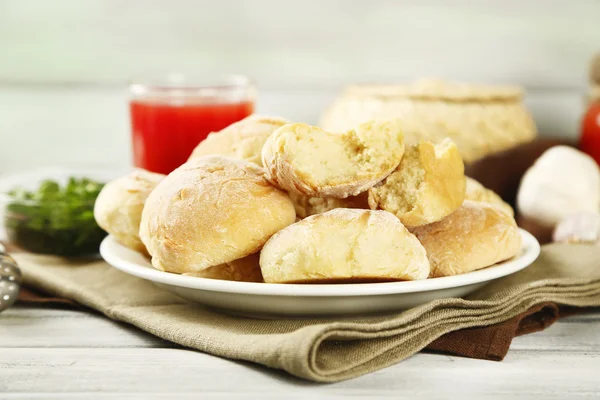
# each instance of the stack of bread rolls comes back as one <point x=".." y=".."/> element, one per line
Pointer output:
<point x="265" y="200"/>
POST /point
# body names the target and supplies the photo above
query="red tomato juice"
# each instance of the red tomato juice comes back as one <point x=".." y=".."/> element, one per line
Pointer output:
<point x="164" y="135"/>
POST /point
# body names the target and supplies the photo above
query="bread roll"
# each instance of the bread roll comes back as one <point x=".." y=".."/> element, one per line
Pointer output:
<point x="119" y="205"/>
<point x="307" y="205"/>
<point x="344" y="245"/>
<point x="210" y="211"/>
<point x="475" y="236"/>
<point x="477" y="192"/>
<point x="307" y="160"/>
<point x="245" y="269"/>
<point x="428" y="184"/>
<point x="242" y="140"/>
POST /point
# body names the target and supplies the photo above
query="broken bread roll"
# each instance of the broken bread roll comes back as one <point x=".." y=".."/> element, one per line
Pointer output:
<point x="309" y="205"/>
<point x="308" y="160"/>
<point x="428" y="185"/>
<point x="477" y="192"/>
<point x="473" y="237"/>
<point x="242" y="140"/>
<point x="245" y="269"/>
<point x="344" y="246"/>
<point x="210" y="211"/>
<point x="118" y="208"/>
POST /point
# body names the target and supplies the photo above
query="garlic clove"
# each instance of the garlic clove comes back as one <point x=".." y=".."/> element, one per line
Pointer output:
<point x="583" y="227"/>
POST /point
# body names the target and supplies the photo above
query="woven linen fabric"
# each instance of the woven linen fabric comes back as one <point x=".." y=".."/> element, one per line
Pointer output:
<point x="330" y="350"/>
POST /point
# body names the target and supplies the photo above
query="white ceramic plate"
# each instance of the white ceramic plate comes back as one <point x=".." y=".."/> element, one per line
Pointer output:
<point x="268" y="299"/>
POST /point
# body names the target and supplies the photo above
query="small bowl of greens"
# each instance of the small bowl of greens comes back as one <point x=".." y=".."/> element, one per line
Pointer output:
<point x="52" y="211"/>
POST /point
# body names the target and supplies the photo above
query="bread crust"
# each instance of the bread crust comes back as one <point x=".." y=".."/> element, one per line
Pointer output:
<point x="308" y="160"/>
<point x="428" y="185"/>
<point x="342" y="246"/>
<point x="481" y="120"/>
<point x="477" y="192"/>
<point x="242" y="140"/>
<point x="118" y="208"/>
<point x="245" y="269"/>
<point x="210" y="211"/>
<point x="473" y="237"/>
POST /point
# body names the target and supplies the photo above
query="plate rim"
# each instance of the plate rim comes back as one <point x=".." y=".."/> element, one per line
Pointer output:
<point x="530" y="251"/>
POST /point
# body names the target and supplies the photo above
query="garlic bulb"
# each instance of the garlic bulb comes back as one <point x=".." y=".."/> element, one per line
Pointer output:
<point x="562" y="182"/>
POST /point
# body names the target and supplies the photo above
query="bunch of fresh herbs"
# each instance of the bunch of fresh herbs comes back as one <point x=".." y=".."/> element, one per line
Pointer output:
<point x="54" y="219"/>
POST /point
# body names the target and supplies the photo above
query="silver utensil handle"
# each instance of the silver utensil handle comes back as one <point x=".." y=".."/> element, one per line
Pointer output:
<point x="10" y="279"/>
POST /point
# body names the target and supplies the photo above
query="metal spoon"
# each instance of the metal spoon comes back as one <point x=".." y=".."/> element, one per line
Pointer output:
<point x="10" y="279"/>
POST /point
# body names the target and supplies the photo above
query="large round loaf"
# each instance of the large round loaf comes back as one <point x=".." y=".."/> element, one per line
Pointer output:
<point x="344" y="245"/>
<point x="475" y="236"/>
<point x="242" y="140"/>
<point x="480" y="119"/>
<point x="118" y="208"/>
<point x="308" y="160"/>
<point x="210" y="211"/>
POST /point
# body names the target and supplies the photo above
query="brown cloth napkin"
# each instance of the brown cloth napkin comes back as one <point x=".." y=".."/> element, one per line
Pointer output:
<point x="329" y="350"/>
<point x="32" y="296"/>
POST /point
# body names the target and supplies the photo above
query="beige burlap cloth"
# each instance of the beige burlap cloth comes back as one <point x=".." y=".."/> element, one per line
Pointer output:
<point x="320" y="350"/>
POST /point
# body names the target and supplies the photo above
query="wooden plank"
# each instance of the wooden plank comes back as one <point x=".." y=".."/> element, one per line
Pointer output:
<point x="588" y="317"/>
<point x="68" y="328"/>
<point x="579" y="333"/>
<point x="31" y="327"/>
<point x="35" y="311"/>
<point x="531" y="374"/>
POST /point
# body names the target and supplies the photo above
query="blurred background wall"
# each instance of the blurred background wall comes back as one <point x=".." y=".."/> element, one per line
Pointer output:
<point x="64" y="64"/>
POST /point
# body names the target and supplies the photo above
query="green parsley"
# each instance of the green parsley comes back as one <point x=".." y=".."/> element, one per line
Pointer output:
<point x="54" y="219"/>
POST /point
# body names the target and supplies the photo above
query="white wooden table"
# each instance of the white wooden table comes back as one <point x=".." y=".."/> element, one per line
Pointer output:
<point x="62" y="354"/>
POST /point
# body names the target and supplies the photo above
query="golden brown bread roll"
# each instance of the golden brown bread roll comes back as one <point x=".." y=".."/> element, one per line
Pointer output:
<point x="245" y="269"/>
<point x="242" y="140"/>
<point x="428" y="184"/>
<point x="344" y="245"/>
<point x="307" y="160"/>
<point x="309" y="205"/>
<point x="477" y="192"/>
<point x="119" y="205"/>
<point x="475" y="236"/>
<point x="210" y="211"/>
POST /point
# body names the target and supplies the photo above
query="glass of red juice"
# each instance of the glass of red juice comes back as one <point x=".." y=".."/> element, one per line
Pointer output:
<point x="169" y="118"/>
